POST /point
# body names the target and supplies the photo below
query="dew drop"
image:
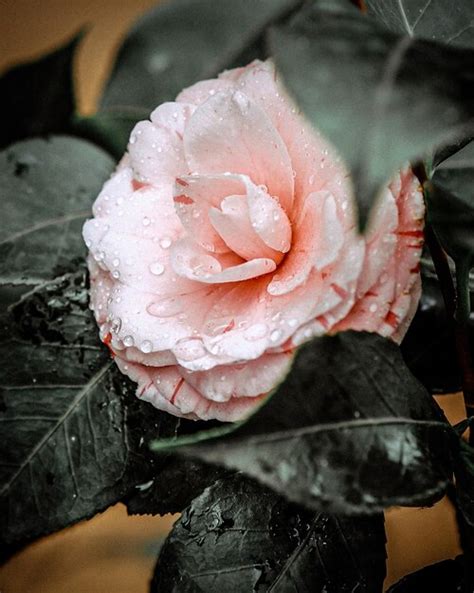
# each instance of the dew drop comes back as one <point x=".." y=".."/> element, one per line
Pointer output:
<point x="128" y="341"/>
<point x="146" y="346"/>
<point x="165" y="242"/>
<point x="146" y="221"/>
<point x="157" y="268"/>
<point x="275" y="335"/>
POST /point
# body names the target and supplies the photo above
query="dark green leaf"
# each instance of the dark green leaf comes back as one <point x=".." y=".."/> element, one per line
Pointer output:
<point x="435" y="20"/>
<point x="109" y="129"/>
<point x="446" y="577"/>
<point x="358" y="432"/>
<point x="239" y="537"/>
<point x="450" y="196"/>
<point x="451" y="203"/>
<point x="383" y="99"/>
<point x="183" y="41"/>
<point x="173" y="487"/>
<point x="46" y="188"/>
<point x="38" y="97"/>
<point x="74" y="437"/>
<point x="429" y="347"/>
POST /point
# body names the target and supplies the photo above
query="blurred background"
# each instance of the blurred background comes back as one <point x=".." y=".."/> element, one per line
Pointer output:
<point x="115" y="553"/>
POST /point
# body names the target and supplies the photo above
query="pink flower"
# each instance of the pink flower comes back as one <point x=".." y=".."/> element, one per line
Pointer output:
<point x="227" y="237"/>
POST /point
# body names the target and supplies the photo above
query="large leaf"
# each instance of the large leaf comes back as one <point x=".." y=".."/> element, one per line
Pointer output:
<point x="451" y="211"/>
<point x="239" y="537"/>
<point x="38" y="97"/>
<point x="74" y="439"/>
<point x="183" y="41"/>
<point x="349" y="430"/>
<point x="381" y="98"/>
<point x="446" y="576"/>
<point x="448" y="22"/>
<point x="173" y="487"/>
<point x="47" y="188"/>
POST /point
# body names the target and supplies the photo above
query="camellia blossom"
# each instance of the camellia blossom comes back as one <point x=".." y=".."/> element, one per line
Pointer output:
<point x="227" y="237"/>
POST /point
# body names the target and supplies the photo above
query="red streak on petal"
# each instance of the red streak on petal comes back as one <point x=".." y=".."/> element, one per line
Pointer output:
<point x="107" y="339"/>
<point x="339" y="290"/>
<point x="181" y="182"/>
<point x="392" y="319"/>
<point x="323" y="321"/>
<point x="371" y="293"/>
<point x="416" y="269"/>
<point x="417" y="234"/>
<point x="230" y="326"/>
<point x="182" y="199"/>
<point x="176" y="390"/>
<point x="137" y="185"/>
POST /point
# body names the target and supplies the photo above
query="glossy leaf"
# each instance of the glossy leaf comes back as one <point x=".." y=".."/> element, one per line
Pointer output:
<point x="451" y="203"/>
<point x="110" y="128"/>
<point x="381" y="98"/>
<point x="446" y="576"/>
<point x="183" y="41"/>
<point x="429" y="347"/>
<point x="435" y="20"/>
<point x="173" y="487"/>
<point x="358" y="432"/>
<point x="238" y="536"/>
<point x="450" y="197"/>
<point x="38" y="97"/>
<point x="47" y="188"/>
<point x="74" y="439"/>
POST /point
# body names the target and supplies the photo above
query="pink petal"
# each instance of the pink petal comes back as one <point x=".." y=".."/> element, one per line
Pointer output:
<point x="194" y="196"/>
<point x="229" y="132"/>
<point x="268" y="219"/>
<point x="249" y="379"/>
<point x="156" y="153"/>
<point x="190" y="262"/>
<point x="204" y="90"/>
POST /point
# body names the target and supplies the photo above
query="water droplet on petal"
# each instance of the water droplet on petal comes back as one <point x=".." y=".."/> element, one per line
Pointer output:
<point x="146" y="346"/>
<point x="157" y="268"/>
<point x="165" y="242"/>
<point x="128" y="341"/>
<point x="275" y="335"/>
<point x="146" y="221"/>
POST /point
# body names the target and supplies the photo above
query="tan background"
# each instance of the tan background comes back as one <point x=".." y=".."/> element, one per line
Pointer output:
<point x="114" y="553"/>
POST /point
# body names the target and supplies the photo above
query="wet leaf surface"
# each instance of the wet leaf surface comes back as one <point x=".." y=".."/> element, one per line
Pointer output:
<point x="173" y="487"/>
<point x="240" y="537"/>
<point x="358" y="433"/>
<point x="332" y="55"/>
<point x="182" y="42"/>
<point x="74" y="437"/>
<point x="451" y="203"/>
<point x="38" y="97"/>
<point x="435" y="20"/>
<point x="47" y="188"/>
<point x="429" y="347"/>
